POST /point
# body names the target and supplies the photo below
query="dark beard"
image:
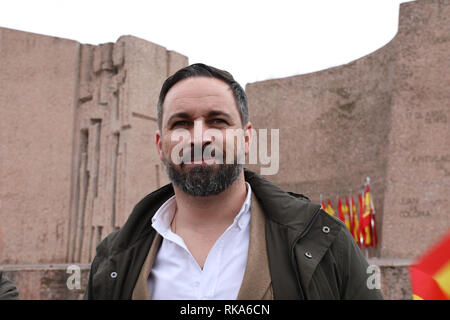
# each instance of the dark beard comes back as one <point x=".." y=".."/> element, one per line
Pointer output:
<point x="203" y="181"/>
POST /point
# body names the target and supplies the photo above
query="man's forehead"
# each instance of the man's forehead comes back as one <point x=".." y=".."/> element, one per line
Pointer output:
<point x="194" y="87"/>
<point x="198" y="92"/>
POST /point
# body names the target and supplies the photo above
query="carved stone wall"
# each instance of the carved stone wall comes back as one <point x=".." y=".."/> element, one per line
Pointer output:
<point x="115" y="160"/>
<point x="385" y="116"/>
<point x="38" y="81"/>
<point x="77" y="133"/>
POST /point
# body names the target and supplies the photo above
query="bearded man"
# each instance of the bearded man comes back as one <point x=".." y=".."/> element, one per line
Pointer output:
<point x="219" y="231"/>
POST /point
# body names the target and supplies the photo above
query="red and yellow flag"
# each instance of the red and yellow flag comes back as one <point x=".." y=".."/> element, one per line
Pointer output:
<point x="361" y="212"/>
<point x="340" y="210"/>
<point x="343" y="213"/>
<point x="373" y="227"/>
<point x="430" y="275"/>
<point x="330" y="209"/>
<point x="345" y="209"/>
<point x="366" y="220"/>
<point x="324" y="207"/>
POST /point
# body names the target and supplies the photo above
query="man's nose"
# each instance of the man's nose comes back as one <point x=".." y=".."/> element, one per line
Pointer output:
<point x="199" y="138"/>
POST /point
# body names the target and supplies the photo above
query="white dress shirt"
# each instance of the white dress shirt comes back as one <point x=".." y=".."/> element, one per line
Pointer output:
<point x="176" y="275"/>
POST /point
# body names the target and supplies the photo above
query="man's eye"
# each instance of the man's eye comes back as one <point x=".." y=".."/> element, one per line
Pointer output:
<point x="179" y="123"/>
<point x="219" y="121"/>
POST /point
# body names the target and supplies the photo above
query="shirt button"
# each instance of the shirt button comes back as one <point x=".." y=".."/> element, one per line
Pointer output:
<point x="113" y="274"/>
<point x="325" y="229"/>
<point x="308" y="254"/>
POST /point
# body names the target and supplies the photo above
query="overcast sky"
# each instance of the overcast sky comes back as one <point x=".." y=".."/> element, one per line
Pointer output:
<point x="254" y="40"/>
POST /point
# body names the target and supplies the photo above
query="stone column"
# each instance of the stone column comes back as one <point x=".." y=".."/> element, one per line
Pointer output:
<point x="116" y="161"/>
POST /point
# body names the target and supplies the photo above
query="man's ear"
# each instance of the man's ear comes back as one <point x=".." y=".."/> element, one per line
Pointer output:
<point x="159" y="143"/>
<point x="248" y="135"/>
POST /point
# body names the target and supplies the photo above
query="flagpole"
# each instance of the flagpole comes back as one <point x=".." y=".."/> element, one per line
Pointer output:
<point x="365" y="188"/>
<point x="366" y="249"/>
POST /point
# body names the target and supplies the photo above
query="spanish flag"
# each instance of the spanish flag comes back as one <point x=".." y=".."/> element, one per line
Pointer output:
<point x="372" y="223"/>
<point x="349" y="214"/>
<point x="340" y="210"/>
<point x="348" y="221"/>
<point x="366" y="220"/>
<point x="343" y="213"/>
<point x="324" y="207"/>
<point x="330" y="209"/>
<point x="361" y="212"/>
<point x="430" y="275"/>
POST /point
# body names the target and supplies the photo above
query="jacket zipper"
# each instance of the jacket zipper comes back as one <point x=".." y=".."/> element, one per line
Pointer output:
<point x="293" y="256"/>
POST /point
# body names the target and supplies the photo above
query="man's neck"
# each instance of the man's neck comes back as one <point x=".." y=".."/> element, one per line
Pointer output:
<point x="206" y="214"/>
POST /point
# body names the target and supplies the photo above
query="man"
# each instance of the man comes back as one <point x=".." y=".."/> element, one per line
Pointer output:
<point x="219" y="231"/>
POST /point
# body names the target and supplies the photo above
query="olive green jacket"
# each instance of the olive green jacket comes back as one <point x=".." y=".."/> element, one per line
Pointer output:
<point x="311" y="255"/>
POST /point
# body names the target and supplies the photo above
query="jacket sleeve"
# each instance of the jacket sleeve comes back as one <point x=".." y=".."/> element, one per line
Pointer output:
<point x="97" y="265"/>
<point x="359" y="280"/>
<point x="8" y="290"/>
<point x="88" y="293"/>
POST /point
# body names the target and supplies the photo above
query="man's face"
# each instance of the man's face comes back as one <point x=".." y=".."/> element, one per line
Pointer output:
<point x="204" y="110"/>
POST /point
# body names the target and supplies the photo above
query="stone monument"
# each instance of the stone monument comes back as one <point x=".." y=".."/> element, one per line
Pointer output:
<point x="385" y="116"/>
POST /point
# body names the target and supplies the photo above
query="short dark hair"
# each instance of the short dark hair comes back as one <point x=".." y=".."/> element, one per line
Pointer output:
<point x="203" y="70"/>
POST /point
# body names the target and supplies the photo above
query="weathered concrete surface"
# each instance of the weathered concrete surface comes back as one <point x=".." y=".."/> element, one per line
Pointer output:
<point x="38" y="78"/>
<point x="395" y="283"/>
<point x="394" y="276"/>
<point x="385" y="116"/>
<point x="417" y="194"/>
